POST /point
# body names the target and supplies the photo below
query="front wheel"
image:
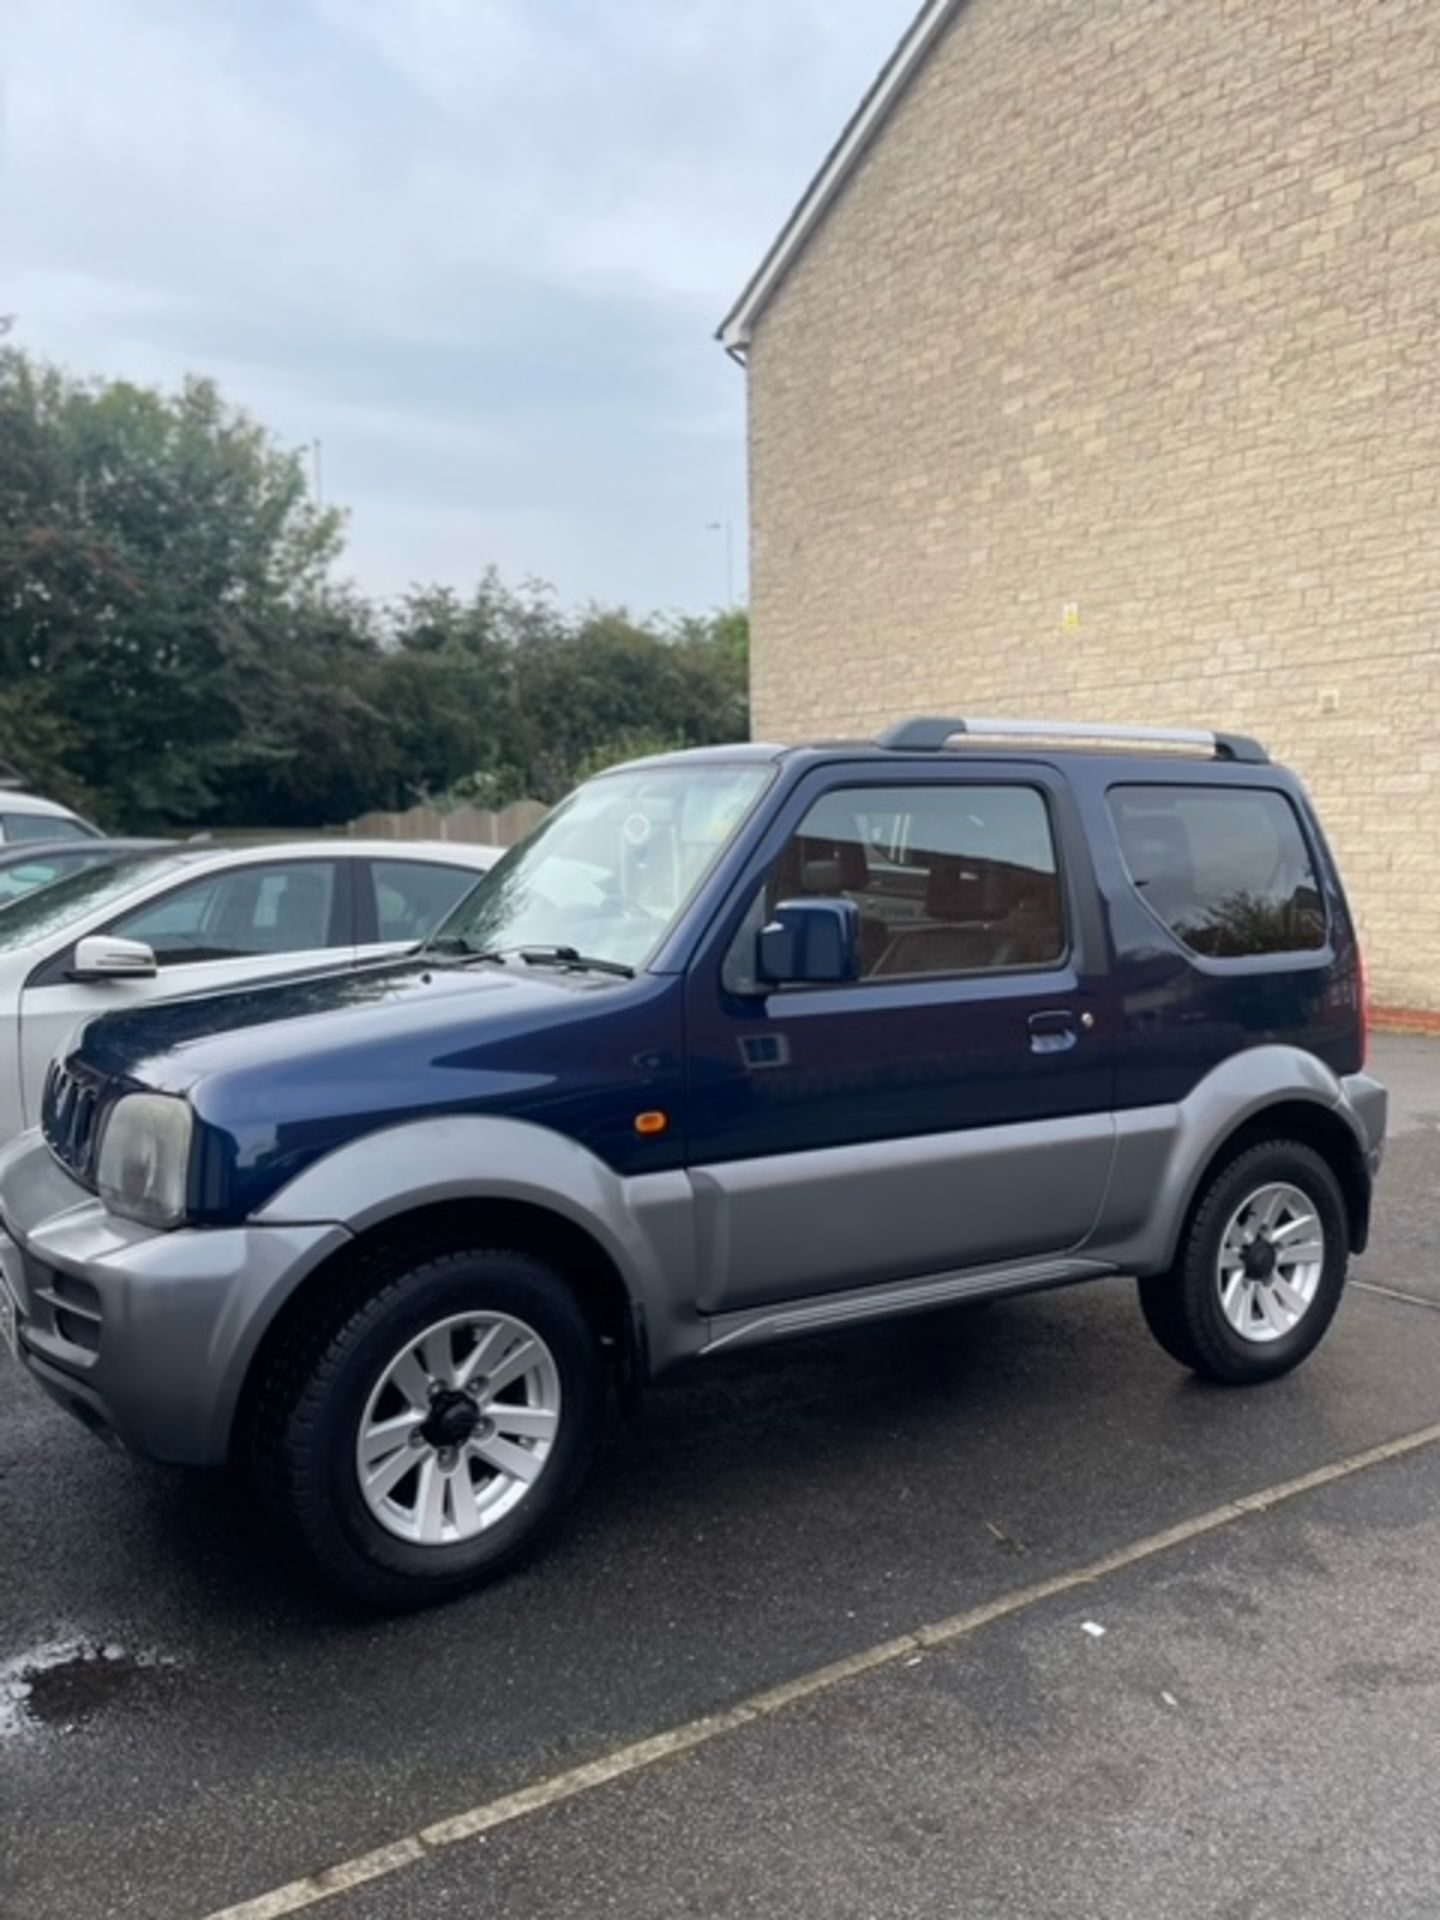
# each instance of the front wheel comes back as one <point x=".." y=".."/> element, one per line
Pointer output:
<point x="418" y="1438"/>
<point x="1261" y="1268"/>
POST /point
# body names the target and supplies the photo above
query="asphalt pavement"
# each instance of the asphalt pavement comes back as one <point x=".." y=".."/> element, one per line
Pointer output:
<point x="1254" y="1733"/>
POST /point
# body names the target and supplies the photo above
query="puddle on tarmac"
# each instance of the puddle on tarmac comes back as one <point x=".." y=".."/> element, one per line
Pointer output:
<point x="67" y="1683"/>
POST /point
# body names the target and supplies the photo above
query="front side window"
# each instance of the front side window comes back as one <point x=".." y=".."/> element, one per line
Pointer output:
<point x="947" y="879"/>
<point x="1226" y="869"/>
<point x="253" y="910"/>
<point x="610" y="870"/>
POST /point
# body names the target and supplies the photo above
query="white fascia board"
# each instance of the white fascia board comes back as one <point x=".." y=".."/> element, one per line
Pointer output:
<point x="734" y="330"/>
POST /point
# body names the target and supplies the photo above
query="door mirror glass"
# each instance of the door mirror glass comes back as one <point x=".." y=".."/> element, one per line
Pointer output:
<point x="809" y="943"/>
<point x="104" y="956"/>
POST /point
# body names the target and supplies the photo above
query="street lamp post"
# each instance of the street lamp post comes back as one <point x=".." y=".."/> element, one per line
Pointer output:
<point x="727" y="527"/>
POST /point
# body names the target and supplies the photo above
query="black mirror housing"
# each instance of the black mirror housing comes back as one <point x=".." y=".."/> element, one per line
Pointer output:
<point x="809" y="943"/>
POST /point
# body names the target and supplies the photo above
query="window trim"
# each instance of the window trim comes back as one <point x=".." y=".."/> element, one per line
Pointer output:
<point x="978" y="777"/>
<point x="1294" y="958"/>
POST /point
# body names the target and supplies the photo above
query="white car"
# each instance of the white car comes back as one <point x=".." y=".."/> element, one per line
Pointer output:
<point x="202" y="916"/>
<point x="25" y="816"/>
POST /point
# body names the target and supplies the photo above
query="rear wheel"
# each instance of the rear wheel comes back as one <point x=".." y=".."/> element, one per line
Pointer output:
<point x="418" y="1439"/>
<point x="1260" y="1271"/>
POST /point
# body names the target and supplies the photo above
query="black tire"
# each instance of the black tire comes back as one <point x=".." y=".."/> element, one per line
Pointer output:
<point x="1182" y="1307"/>
<point x="310" y="1401"/>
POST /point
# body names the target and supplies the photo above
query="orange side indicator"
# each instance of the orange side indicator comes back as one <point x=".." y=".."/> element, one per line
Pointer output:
<point x="651" y="1122"/>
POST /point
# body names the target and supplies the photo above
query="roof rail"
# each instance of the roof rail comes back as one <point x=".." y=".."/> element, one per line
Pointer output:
<point x="930" y="733"/>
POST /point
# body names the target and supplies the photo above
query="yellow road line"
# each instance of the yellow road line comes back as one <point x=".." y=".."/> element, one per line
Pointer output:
<point x="642" y="1754"/>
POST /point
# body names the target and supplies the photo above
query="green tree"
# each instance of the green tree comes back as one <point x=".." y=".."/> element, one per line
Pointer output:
<point x="445" y="685"/>
<point x="586" y="692"/>
<point x="174" y="652"/>
<point x="161" y="566"/>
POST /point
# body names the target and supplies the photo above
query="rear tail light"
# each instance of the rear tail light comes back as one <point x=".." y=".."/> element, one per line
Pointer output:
<point x="1362" y="992"/>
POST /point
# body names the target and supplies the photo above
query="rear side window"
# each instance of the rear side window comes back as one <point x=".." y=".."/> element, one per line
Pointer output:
<point x="1226" y="869"/>
<point x="412" y="897"/>
<point x="44" y="826"/>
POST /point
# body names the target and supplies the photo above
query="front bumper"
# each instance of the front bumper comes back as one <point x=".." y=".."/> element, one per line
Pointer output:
<point x="144" y="1336"/>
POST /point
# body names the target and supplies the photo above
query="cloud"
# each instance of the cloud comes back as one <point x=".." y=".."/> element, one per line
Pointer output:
<point x="476" y="246"/>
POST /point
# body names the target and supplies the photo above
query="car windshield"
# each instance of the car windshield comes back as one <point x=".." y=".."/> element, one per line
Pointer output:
<point x="609" y="871"/>
<point x="24" y="876"/>
<point x="49" y="910"/>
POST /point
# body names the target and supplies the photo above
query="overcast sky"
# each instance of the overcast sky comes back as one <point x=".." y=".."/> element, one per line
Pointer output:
<point x="477" y="248"/>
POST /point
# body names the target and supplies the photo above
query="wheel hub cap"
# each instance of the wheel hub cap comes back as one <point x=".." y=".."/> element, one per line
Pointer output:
<point x="1271" y="1261"/>
<point x="1259" y="1260"/>
<point x="452" y="1422"/>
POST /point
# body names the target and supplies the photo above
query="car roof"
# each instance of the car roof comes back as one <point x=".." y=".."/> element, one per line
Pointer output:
<point x="14" y="853"/>
<point x="12" y="800"/>
<point x="464" y="853"/>
<point x="168" y="858"/>
<point x="456" y="853"/>
<point x="935" y="741"/>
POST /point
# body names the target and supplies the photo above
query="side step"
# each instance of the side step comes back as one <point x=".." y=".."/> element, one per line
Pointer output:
<point x="758" y="1325"/>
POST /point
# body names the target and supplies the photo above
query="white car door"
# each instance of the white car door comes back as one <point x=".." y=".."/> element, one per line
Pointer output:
<point x="256" y="921"/>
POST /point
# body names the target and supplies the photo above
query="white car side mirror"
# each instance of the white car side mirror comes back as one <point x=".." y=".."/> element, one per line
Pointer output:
<point x="101" y="956"/>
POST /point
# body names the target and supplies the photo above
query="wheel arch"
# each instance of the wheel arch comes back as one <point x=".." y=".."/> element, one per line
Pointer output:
<point x="433" y="1226"/>
<point x="1311" y="1124"/>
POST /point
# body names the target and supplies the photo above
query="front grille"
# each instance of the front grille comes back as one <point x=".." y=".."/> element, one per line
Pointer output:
<point x="68" y="1116"/>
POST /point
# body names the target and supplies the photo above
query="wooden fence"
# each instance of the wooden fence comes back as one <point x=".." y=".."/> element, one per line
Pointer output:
<point x="485" y="826"/>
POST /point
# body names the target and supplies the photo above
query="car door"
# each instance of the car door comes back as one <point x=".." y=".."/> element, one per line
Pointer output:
<point x="952" y="1107"/>
<point x="400" y="902"/>
<point x="254" y="920"/>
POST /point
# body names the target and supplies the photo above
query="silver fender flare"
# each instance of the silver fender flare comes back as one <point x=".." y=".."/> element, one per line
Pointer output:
<point x="1163" y="1153"/>
<point x="641" y="1224"/>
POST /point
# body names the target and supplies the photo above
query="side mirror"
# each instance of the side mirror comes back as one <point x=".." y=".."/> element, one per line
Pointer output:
<point x="809" y="943"/>
<point x="101" y="956"/>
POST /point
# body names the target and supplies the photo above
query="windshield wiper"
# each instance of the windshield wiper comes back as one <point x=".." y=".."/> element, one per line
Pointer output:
<point x="572" y="957"/>
<point x="454" y="946"/>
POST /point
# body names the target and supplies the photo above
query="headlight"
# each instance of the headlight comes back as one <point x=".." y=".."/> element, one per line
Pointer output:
<point x="145" y="1159"/>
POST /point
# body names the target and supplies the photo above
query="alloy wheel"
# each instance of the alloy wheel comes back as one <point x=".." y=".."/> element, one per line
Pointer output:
<point x="457" y="1428"/>
<point x="1271" y="1259"/>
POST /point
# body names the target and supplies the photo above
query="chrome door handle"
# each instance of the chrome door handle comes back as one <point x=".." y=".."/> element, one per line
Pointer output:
<point x="1054" y="1031"/>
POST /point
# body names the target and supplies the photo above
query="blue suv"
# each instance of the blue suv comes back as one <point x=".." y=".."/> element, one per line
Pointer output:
<point x="741" y="1043"/>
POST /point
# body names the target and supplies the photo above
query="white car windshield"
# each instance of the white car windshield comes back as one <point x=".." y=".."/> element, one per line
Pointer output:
<point x="609" y="871"/>
<point x="34" y="917"/>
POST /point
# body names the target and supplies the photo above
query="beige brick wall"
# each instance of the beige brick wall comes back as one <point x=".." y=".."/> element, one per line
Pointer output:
<point x="1135" y="305"/>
